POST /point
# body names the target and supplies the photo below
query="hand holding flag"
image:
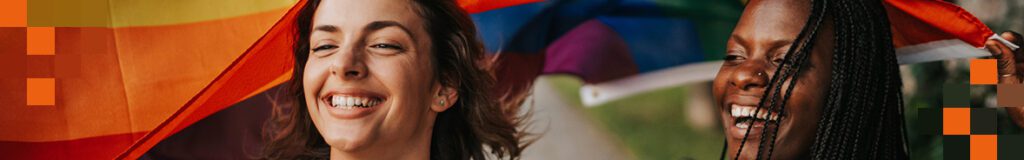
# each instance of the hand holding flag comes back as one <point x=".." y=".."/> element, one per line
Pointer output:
<point x="1007" y="56"/>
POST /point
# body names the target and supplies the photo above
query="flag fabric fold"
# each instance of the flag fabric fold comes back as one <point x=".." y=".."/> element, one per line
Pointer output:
<point x="617" y="48"/>
<point x="117" y="69"/>
<point x="932" y="30"/>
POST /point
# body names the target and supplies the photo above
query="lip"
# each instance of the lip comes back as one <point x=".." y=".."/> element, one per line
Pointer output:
<point x="352" y="113"/>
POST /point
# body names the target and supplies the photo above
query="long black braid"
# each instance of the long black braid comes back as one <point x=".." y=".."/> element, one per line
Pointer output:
<point x="865" y="83"/>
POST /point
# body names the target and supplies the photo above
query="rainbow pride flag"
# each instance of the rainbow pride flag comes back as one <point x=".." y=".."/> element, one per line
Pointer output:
<point x="86" y="79"/>
<point x="89" y="79"/>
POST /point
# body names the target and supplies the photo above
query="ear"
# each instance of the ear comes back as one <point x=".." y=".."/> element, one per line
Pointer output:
<point x="444" y="99"/>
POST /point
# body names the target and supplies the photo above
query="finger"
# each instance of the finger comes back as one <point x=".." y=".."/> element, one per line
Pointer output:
<point x="1010" y="39"/>
<point x="990" y="45"/>
<point x="1006" y="68"/>
<point x="1006" y="52"/>
<point x="1013" y="37"/>
<point x="1016" y="38"/>
<point x="1008" y="65"/>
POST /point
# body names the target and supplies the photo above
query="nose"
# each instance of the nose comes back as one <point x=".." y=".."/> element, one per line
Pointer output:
<point x="349" y="66"/>
<point x="751" y="75"/>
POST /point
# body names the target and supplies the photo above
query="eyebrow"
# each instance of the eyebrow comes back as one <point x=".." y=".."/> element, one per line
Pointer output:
<point x="378" y="25"/>
<point x="326" y="28"/>
<point x="772" y="44"/>
<point x="739" y="39"/>
<point x="373" y="26"/>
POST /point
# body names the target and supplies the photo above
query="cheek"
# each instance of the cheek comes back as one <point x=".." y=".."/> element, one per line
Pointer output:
<point x="313" y="77"/>
<point x="809" y="95"/>
<point x="806" y="104"/>
<point x="719" y="84"/>
<point x="404" y="76"/>
<point x="812" y="91"/>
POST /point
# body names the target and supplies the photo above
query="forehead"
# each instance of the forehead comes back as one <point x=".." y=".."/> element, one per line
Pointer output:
<point x="784" y="17"/>
<point x="354" y="14"/>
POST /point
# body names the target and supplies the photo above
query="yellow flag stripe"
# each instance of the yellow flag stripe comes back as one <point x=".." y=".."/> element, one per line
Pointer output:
<point x="132" y="13"/>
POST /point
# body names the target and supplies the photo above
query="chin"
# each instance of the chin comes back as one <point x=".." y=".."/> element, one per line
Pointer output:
<point x="347" y="134"/>
<point x="347" y="139"/>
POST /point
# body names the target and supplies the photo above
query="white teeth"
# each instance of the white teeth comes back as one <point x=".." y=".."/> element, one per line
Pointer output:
<point x="346" y="102"/>
<point x="748" y="111"/>
<point x="336" y="101"/>
<point x="734" y="112"/>
<point x="742" y="125"/>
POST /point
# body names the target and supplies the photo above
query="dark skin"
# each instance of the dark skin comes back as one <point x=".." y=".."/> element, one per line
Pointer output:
<point x="1010" y="68"/>
<point x="758" y="44"/>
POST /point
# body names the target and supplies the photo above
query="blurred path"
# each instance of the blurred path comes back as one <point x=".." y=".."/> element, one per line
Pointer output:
<point x="565" y="130"/>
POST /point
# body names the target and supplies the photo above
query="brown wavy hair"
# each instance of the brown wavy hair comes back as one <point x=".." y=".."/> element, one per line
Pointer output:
<point x="478" y="118"/>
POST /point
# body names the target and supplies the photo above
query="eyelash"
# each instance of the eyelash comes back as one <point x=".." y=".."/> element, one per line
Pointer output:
<point x="387" y="46"/>
<point x="731" y="57"/>
<point x="324" y="47"/>
<point x="375" y="46"/>
<point x="779" y="59"/>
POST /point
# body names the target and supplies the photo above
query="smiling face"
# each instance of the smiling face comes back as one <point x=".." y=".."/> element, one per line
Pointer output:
<point x="368" y="81"/>
<point x="758" y="44"/>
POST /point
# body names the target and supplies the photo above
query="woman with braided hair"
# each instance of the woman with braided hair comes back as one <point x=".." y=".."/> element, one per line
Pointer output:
<point x="814" y="79"/>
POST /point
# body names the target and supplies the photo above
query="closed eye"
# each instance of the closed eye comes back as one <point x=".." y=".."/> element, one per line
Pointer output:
<point x="732" y="57"/>
<point x="387" y="46"/>
<point x="324" y="47"/>
<point x="778" y="61"/>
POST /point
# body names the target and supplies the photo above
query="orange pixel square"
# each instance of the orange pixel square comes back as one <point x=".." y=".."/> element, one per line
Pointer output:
<point x="956" y="121"/>
<point x="984" y="147"/>
<point x="983" y="71"/>
<point x="41" y="91"/>
<point x="41" y="41"/>
<point x="13" y="13"/>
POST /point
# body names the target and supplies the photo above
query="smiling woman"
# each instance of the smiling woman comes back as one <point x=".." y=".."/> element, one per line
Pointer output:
<point x="390" y="79"/>
<point x="823" y="85"/>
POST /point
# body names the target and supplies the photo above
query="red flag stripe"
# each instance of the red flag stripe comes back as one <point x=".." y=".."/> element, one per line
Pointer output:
<point x="99" y="147"/>
<point x="477" y="6"/>
<point x="921" y="21"/>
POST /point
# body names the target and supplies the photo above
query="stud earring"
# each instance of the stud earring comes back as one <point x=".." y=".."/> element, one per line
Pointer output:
<point x="442" y="102"/>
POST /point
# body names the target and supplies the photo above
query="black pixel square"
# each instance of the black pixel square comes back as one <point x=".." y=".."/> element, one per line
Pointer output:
<point x="956" y="147"/>
<point x="983" y="120"/>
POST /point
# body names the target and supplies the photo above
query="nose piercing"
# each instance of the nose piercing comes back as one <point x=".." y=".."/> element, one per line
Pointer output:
<point x="759" y="74"/>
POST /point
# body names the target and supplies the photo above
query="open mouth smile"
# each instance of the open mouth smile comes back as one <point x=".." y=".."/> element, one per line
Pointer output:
<point x="749" y="120"/>
<point x="745" y="118"/>
<point x="352" y="104"/>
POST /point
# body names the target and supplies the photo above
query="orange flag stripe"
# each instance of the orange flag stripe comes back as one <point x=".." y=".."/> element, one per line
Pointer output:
<point x="261" y="65"/>
<point x="165" y="66"/>
<point x="127" y="80"/>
